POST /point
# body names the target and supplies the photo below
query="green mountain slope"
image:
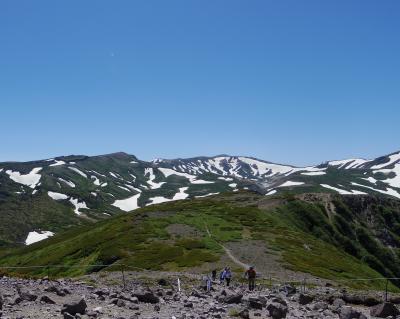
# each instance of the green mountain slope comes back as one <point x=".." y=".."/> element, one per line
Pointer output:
<point x="329" y="236"/>
<point x="56" y="194"/>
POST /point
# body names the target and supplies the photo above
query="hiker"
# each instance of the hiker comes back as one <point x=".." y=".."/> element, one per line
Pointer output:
<point x="251" y="276"/>
<point x="207" y="283"/>
<point x="214" y="274"/>
<point x="227" y="276"/>
<point x="222" y="277"/>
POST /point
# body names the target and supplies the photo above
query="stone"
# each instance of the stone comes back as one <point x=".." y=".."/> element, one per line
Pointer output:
<point x="305" y="299"/>
<point x="277" y="310"/>
<point x="350" y="313"/>
<point x="233" y="299"/>
<point x="75" y="307"/>
<point x="255" y="303"/>
<point x="147" y="297"/>
<point x="47" y="299"/>
<point x="384" y="310"/>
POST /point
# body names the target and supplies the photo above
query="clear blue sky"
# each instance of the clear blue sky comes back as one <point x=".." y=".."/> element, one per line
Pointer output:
<point x="298" y="82"/>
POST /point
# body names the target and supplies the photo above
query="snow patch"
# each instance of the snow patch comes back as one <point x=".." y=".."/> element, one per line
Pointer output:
<point x="69" y="183"/>
<point x="34" y="237"/>
<point x="57" y="196"/>
<point x="152" y="177"/>
<point x="96" y="181"/>
<point x="313" y="173"/>
<point x="31" y="179"/>
<point x="77" y="171"/>
<point x="128" y="204"/>
<point x="392" y="158"/>
<point x="343" y="191"/>
<point x="58" y="163"/>
<point x="210" y="194"/>
<point x="78" y="205"/>
<point x="388" y="191"/>
<point x="291" y="183"/>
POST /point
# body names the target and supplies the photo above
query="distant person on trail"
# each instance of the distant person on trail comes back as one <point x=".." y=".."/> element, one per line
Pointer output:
<point x="214" y="274"/>
<point x="227" y="276"/>
<point x="251" y="276"/>
<point x="222" y="277"/>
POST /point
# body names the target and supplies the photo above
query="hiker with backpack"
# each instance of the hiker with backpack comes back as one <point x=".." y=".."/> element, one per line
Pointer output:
<point x="227" y="276"/>
<point x="251" y="276"/>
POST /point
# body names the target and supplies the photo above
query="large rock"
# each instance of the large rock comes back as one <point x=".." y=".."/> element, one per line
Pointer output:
<point x="1" y="302"/>
<point x="233" y="299"/>
<point x="305" y="299"/>
<point x="384" y="310"/>
<point x="256" y="303"/>
<point x="350" y="313"/>
<point x="75" y="307"/>
<point x="28" y="295"/>
<point x="146" y="297"/>
<point x="47" y="299"/>
<point x="289" y="290"/>
<point x="244" y="314"/>
<point x="277" y="310"/>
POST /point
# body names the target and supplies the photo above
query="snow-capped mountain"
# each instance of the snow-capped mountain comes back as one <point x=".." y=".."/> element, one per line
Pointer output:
<point x="44" y="197"/>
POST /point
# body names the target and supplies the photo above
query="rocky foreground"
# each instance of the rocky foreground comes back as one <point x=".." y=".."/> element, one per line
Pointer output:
<point x="20" y="298"/>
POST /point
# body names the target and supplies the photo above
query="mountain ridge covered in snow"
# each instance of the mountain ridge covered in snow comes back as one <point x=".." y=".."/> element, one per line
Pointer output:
<point x="53" y="194"/>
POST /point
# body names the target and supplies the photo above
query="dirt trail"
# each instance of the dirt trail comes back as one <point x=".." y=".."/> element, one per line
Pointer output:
<point x="227" y="250"/>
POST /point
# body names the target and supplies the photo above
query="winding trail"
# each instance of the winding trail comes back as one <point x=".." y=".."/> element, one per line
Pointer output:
<point x="227" y="250"/>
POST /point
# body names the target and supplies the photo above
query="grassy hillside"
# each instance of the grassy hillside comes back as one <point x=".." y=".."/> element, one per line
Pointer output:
<point x="333" y="243"/>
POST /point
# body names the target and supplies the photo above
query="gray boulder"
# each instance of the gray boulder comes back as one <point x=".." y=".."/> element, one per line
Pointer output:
<point x="47" y="299"/>
<point x="147" y="297"/>
<point x="305" y="299"/>
<point x="244" y="314"/>
<point x="277" y="310"/>
<point x="75" y="307"/>
<point x="384" y="310"/>
<point x="233" y="299"/>
<point x="350" y="313"/>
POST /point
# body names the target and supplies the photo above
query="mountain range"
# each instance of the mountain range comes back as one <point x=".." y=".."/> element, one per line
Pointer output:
<point x="44" y="197"/>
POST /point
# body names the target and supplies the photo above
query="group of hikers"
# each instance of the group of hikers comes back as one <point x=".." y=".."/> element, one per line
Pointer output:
<point x="225" y="276"/>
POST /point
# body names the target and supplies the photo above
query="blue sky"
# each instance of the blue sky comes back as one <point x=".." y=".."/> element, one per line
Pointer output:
<point x="297" y="82"/>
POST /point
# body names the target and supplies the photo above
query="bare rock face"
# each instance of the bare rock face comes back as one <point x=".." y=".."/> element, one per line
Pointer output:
<point x="384" y="310"/>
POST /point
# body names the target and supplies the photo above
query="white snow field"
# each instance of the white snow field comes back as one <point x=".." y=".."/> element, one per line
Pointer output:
<point x="69" y="183"/>
<point x="152" y="177"/>
<point x="388" y="191"/>
<point x="31" y="179"/>
<point x="34" y="237"/>
<point x="96" y="181"/>
<point x="272" y="192"/>
<point x="394" y="181"/>
<point x="207" y="195"/>
<point x="291" y="183"/>
<point x="313" y="173"/>
<point x="78" y="205"/>
<point x="128" y="204"/>
<point x="349" y="163"/>
<point x="57" y="196"/>
<point x="181" y="194"/>
<point x="192" y="178"/>
<point x="78" y="171"/>
<point x="343" y="191"/>
<point x="392" y="159"/>
<point x="57" y="163"/>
